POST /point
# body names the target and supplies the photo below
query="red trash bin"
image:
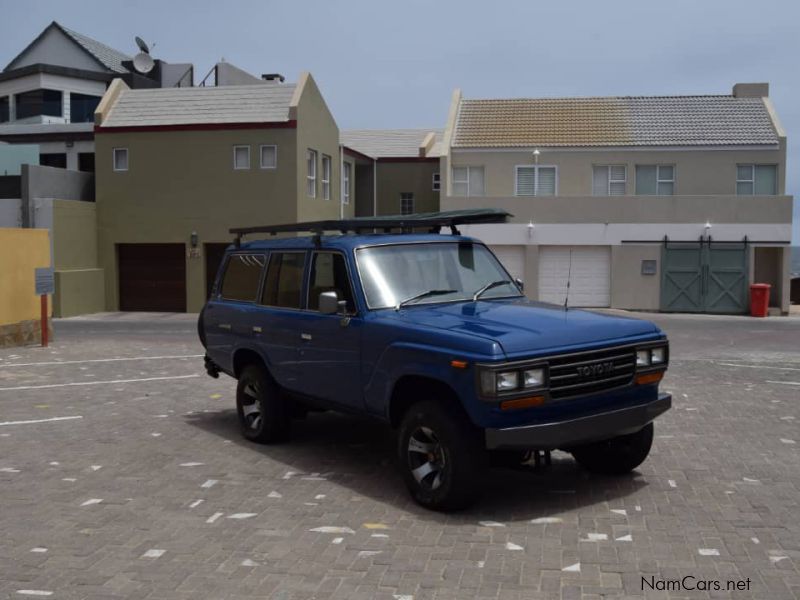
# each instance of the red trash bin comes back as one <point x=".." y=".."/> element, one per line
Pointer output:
<point x="759" y="299"/>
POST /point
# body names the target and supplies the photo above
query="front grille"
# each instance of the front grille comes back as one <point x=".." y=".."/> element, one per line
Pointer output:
<point x="591" y="372"/>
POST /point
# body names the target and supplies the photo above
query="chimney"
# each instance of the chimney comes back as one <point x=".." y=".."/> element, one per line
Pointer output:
<point x="273" y="77"/>
<point x="751" y="90"/>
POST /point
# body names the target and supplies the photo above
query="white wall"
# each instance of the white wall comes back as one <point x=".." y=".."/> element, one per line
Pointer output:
<point x="10" y="212"/>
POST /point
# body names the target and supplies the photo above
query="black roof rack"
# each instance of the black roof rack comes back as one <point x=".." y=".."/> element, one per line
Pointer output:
<point x="405" y="223"/>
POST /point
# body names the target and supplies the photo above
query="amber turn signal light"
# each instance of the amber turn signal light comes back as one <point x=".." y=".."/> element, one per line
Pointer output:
<point x="529" y="402"/>
<point x="649" y="378"/>
<point x="458" y="364"/>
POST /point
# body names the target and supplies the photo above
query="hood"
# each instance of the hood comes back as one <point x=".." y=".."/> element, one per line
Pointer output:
<point x="524" y="327"/>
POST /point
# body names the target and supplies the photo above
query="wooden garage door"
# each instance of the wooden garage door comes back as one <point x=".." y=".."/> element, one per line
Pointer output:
<point x="513" y="259"/>
<point x="152" y="277"/>
<point x="589" y="274"/>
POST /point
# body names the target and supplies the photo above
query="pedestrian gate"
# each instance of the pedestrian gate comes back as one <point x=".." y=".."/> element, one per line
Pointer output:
<point x="704" y="276"/>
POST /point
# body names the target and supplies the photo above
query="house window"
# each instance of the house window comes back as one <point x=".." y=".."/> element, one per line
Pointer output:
<point x="86" y="162"/>
<point x="468" y="181"/>
<point x="5" y="109"/>
<point x="756" y="180"/>
<point x="346" y="183"/>
<point x="120" y="159"/>
<point x="326" y="177"/>
<point x="609" y="180"/>
<point x="655" y="180"/>
<point x="536" y="180"/>
<point x="406" y="203"/>
<point x="311" y="173"/>
<point x="437" y="182"/>
<point x="37" y="103"/>
<point x="241" y="157"/>
<point x="269" y="157"/>
<point x="81" y="107"/>
<point x="53" y="159"/>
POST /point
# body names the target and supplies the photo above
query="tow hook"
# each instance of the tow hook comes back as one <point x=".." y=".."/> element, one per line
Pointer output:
<point x="211" y="368"/>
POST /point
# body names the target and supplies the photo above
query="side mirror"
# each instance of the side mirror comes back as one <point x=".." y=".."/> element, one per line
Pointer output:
<point x="519" y="283"/>
<point x="329" y="303"/>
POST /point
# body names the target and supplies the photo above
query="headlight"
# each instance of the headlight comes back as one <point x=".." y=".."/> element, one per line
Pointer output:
<point x="642" y="358"/>
<point x="533" y="378"/>
<point x="657" y="355"/>
<point x="506" y="381"/>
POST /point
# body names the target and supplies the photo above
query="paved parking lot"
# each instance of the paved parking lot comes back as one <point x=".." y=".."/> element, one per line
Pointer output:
<point x="122" y="475"/>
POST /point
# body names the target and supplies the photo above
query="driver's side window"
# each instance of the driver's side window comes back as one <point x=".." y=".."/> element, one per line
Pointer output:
<point x="329" y="274"/>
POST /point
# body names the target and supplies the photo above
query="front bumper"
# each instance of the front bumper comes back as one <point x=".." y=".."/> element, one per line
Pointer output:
<point x="592" y="428"/>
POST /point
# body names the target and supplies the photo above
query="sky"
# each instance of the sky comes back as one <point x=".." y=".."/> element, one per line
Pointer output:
<point x="395" y="64"/>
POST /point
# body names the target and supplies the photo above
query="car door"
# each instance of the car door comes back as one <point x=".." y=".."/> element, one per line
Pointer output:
<point x="276" y="327"/>
<point x="232" y="306"/>
<point x="329" y="358"/>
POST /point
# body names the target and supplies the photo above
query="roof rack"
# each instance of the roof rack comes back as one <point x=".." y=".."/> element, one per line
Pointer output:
<point x="405" y="223"/>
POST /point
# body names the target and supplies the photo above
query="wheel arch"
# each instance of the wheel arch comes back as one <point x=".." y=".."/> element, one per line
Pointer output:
<point x="410" y="389"/>
<point x="243" y="357"/>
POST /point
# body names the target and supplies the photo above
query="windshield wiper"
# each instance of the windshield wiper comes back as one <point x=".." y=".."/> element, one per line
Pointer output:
<point x="424" y="295"/>
<point x="488" y="287"/>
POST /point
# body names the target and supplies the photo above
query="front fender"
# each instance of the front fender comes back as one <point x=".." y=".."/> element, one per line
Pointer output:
<point x="407" y="358"/>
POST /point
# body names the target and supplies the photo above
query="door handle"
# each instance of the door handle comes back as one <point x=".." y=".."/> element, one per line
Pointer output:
<point x="225" y="326"/>
<point x="306" y="336"/>
<point x="256" y="329"/>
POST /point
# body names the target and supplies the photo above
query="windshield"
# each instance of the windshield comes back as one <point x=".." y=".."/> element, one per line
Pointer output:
<point x="392" y="274"/>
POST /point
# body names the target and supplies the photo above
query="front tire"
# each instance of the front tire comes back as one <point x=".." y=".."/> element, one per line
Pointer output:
<point x="262" y="409"/>
<point x="440" y="456"/>
<point x="617" y="456"/>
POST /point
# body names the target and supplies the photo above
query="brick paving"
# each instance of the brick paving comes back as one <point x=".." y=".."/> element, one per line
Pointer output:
<point x="151" y="493"/>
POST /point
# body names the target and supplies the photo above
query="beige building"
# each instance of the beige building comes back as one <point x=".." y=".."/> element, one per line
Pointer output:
<point x="176" y="168"/>
<point x="396" y="170"/>
<point x="670" y="203"/>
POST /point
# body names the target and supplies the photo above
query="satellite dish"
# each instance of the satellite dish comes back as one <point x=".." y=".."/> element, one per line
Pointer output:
<point x="143" y="63"/>
<point x="142" y="46"/>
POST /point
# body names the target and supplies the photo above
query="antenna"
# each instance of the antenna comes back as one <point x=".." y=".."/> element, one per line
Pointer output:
<point x="569" y="279"/>
<point x="142" y="45"/>
<point x="143" y="63"/>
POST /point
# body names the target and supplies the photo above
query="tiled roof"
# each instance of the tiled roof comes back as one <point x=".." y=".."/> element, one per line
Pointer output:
<point x="112" y="59"/>
<point x="388" y="143"/>
<point x="266" y="103"/>
<point x="615" y="121"/>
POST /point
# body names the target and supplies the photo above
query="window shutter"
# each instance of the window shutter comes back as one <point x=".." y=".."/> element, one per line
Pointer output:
<point x="646" y="180"/>
<point x="766" y="180"/>
<point x="600" y="181"/>
<point x="546" y="186"/>
<point x="476" y="181"/>
<point x="526" y="181"/>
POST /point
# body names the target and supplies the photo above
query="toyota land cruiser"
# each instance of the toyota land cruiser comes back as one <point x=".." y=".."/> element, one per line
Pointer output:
<point x="429" y="333"/>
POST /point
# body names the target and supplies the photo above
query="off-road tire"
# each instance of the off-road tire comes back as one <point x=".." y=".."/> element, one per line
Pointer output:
<point x="256" y="392"/>
<point x="457" y="445"/>
<point x="617" y="456"/>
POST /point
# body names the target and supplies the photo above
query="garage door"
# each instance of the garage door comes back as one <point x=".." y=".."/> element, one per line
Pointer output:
<point x="589" y="275"/>
<point x="152" y="277"/>
<point x="513" y="259"/>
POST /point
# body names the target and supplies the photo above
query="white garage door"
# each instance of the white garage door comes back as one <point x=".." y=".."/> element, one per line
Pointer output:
<point x="513" y="259"/>
<point x="590" y="278"/>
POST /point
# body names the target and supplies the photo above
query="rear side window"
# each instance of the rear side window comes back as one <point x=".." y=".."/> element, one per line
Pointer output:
<point x="242" y="276"/>
<point x="329" y="274"/>
<point x="284" y="285"/>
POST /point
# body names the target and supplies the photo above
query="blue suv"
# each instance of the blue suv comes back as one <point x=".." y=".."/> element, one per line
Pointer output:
<point x="429" y="333"/>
